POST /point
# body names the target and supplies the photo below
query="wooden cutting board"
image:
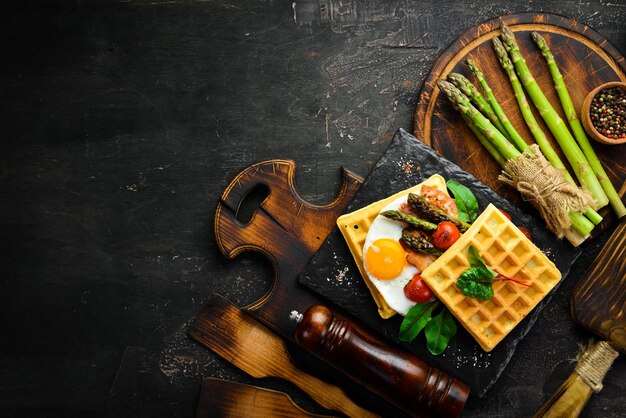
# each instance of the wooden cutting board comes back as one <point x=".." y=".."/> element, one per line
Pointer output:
<point x="585" y="58"/>
<point x="599" y="300"/>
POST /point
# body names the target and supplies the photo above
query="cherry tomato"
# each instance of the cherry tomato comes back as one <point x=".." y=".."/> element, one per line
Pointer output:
<point x="526" y="232"/>
<point x="506" y="214"/>
<point x="417" y="290"/>
<point x="446" y="234"/>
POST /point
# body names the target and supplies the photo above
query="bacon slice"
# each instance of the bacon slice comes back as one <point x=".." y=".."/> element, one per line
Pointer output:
<point x="440" y="200"/>
<point x="406" y="208"/>
<point x="420" y="260"/>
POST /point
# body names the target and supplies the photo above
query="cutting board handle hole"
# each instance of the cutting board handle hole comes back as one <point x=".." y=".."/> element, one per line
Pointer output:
<point x="251" y="202"/>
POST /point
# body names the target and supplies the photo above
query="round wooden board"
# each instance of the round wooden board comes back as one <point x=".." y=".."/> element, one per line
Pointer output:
<point x="585" y="57"/>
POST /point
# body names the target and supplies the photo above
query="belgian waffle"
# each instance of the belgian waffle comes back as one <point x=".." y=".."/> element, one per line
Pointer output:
<point x="506" y="250"/>
<point x="355" y="225"/>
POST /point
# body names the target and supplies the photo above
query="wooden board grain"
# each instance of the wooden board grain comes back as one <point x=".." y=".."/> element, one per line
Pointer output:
<point x="585" y="57"/>
<point x="285" y="228"/>
<point x="599" y="300"/>
<point x="221" y="398"/>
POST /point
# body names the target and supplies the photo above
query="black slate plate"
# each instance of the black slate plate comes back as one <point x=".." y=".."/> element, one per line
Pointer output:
<point x="332" y="272"/>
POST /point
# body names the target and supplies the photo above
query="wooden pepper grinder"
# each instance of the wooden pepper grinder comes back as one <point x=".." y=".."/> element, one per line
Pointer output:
<point x="415" y="386"/>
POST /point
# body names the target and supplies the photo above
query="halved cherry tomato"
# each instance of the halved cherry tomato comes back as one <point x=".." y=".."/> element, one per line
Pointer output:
<point x="446" y="234"/>
<point x="417" y="290"/>
<point x="505" y="213"/>
<point x="526" y="232"/>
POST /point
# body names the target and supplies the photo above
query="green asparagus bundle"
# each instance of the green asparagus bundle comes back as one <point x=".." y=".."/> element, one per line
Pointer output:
<point x="484" y="107"/>
<point x="477" y="99"/>
<point x="510" y="131"/>
<point x="414" y="221"/>
<point x="433" y="214"/>
<point x="530" y="120"/>
<point x="485" y="142"/>
<point x="414" y="239"/>
<point x="577" y="129"/>
<point x="508" y="152"/>
<point x="556" y="125"/>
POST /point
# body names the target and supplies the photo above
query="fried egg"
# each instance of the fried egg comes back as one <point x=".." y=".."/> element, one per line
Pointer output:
<point x="384" y="259"/>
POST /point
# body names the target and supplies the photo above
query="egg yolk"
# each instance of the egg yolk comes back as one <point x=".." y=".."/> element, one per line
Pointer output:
<point x="385" y="258"/>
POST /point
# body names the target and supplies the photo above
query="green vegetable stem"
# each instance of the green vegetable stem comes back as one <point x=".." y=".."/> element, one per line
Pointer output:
<point x="415" y="239"/>
<point x="433" y="214"/>
<point x="479" y="101"/>
<point x="533" y="126"/>
<point x="414" y="221"/>
<point x="556" y="125"/>
<point x="507" y="151"/>
<point x="577" y="129"/>
<point x="510" y="131"/>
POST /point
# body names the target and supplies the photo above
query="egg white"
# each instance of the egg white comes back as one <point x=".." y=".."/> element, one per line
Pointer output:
<point x="391" y="290"/>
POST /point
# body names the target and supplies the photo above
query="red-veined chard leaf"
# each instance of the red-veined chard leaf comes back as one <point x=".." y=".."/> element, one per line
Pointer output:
<point x="476" y="283"/>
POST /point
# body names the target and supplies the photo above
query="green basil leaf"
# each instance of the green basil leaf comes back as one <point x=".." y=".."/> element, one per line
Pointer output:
<point x="476" y="260"/>
<point x="415" y="320"/>
<point x="476" y="283"/>
<point x="466" y="202"/>
<point x="439" y="331"/>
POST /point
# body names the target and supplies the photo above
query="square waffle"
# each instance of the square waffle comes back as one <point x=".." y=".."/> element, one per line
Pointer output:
<point x="355" y="225"/>
<point x="506" y="250"/>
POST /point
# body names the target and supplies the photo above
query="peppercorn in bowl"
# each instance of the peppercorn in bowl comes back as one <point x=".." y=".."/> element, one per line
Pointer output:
<point x="603" y="113"/>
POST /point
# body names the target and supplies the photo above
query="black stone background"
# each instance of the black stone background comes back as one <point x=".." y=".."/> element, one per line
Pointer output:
<point x="121" y="123"/>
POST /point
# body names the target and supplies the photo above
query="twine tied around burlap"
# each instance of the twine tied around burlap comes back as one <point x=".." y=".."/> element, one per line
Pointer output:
<point x="594" y="362"/>
<point x="546" y="188"/>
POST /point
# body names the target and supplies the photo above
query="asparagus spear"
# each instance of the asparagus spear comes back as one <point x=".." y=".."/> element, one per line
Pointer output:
<point x="493" y="151"/>
<point x="461" y="103"/>
<point x="513" y="135"/>
<point x="527" y="113"/>
<point x="414" y="221"/>
<point x="468" y="88"/>
<point x="428" y="211"/>
<point x="577" y="129"/>
<point x="558" y="128"/>
<point x="414" y="240"/>
<point x="479" y="101"/>
<point x="534" y="127"/>
<point x="485" y="142"/>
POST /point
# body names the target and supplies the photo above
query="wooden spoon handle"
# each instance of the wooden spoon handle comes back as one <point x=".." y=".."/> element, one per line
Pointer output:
<point x="327" y="395"/>
<point x="402" y="377"/>
<point x="226" y="399"/>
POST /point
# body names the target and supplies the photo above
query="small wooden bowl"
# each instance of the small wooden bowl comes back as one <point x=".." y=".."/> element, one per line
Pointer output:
<point x="585" y="116"/>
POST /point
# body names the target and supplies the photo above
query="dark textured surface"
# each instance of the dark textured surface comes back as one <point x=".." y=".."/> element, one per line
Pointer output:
<point x="122" y="122"/>
<point x="333" y="273"/>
